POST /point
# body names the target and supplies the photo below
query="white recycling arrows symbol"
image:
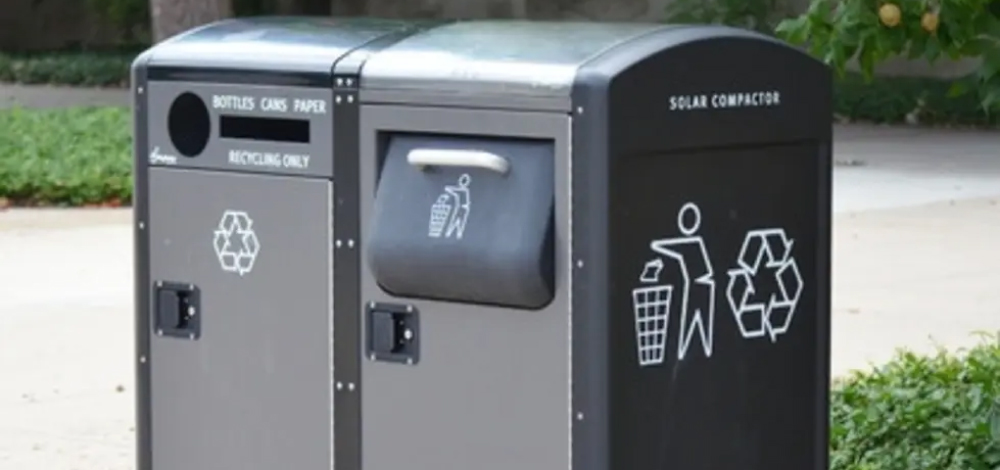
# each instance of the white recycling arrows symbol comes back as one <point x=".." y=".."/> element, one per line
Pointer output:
<point x="236" y="243"/>
<point x="770" y="249"/>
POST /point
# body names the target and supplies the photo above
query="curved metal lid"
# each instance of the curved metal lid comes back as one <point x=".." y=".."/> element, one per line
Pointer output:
<point x="301" y="44"/>
<point x="508" y="57"/>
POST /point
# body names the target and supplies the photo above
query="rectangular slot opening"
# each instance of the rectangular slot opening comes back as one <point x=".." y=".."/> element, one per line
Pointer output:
<point x="264" y="129"/>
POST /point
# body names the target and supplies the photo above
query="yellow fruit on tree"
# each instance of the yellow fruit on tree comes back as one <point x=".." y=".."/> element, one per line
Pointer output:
<point x="890" y="14"/>
<point x="930" y="22"/>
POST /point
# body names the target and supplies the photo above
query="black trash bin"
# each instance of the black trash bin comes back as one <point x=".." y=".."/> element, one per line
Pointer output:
<point x="245" y="151"/>
<point x="593" y="246"/>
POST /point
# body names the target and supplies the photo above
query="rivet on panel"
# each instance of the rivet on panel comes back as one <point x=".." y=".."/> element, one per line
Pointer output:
<point x="340" y="82"/>
<point x="350" y="386"/>
<point x="336" y="99"/>
<point x="340" y="385"/>
<point x="142" y="359"/>
<point x="579" y="263"/>
<point x="338" y="243"/>
<point x="579" y="110"/>
<point x="350" y="243"/>
<point x="579" y="416"/>
<point x="350" y="98"/>
<point x="350" y="82"/>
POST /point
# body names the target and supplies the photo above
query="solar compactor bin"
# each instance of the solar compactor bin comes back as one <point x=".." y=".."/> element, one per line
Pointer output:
<point x="244" y="129"/>
<point x="594" y="247"/>
<point x="374" y="245"/>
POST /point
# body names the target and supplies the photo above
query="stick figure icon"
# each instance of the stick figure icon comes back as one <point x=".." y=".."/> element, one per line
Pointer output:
<point x="697" y="289"/>
<point x="460" y="215"/>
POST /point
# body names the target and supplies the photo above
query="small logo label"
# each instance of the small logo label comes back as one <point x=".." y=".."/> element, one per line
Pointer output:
<point x="155" y="157"/>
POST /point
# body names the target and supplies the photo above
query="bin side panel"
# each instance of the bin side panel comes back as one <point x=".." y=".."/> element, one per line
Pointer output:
<point x="253" y="392"/>
<point x="719" y="236"/>
<point x="719" y="356"/>
<point x="491" y="388"/>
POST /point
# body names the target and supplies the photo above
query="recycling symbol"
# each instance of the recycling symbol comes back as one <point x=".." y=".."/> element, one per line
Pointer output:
<point x="766" y="252"/>
<point x="236" y="243"/>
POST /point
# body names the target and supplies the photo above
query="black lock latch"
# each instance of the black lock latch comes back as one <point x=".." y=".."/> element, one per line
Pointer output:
<point x="177" y="310"/>
<point x="392" y="333"/>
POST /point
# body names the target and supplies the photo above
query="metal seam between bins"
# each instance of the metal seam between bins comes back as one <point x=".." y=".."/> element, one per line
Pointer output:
<point x="330" y="318"/>
<point x="569" y="280"/>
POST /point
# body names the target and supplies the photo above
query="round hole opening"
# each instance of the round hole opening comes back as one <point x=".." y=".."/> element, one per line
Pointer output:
<point x="189" y="124"/>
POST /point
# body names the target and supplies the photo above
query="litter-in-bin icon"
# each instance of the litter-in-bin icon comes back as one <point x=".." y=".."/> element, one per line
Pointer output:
<point x="553" y="221"/>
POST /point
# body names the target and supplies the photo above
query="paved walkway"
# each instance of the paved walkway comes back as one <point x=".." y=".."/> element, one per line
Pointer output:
<point x="58" y="97"/>
<point x="914" y="246"/>
<point x="915" y="241"/>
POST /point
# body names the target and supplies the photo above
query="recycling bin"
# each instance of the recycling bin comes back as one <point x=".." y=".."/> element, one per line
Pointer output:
<point x="245" y="199"/>
<point x="593" y="246"/>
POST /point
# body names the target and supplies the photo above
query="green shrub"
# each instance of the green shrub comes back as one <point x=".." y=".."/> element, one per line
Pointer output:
<point x="919" y="412"/>
<point x="758" y="15"/>
<point x="873" y="31"/>
<point x="890" y="100"/>
<point x="131" y="18"/>
<point x="67" y="68"/>
<point x="74" y="157"/>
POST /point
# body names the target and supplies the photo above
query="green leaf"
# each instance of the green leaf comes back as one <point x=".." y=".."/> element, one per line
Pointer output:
<point x="994" y="420"/>
<point x="990" y="65"/>
<point x="933" y="49"/>
<point x="795" y="31"/>
<point x="958" y="88"/>
<point x="867" y="56"/>
<point x="991" y="99"/>
<point x="917" y="47"/>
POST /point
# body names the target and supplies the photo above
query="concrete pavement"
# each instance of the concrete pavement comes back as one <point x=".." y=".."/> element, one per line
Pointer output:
<point x="914" y="247"/>
<point x="33" y="96"/>
<point x="914" y="241"/>
<point x="65" y="341"/>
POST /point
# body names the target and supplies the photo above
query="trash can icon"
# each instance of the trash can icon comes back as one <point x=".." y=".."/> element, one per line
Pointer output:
<point x="439" y="216"/>
<point x="651" y="304"/>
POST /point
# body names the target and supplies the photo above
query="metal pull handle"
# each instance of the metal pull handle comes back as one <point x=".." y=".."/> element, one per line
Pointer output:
<point x="463" y="158"/>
